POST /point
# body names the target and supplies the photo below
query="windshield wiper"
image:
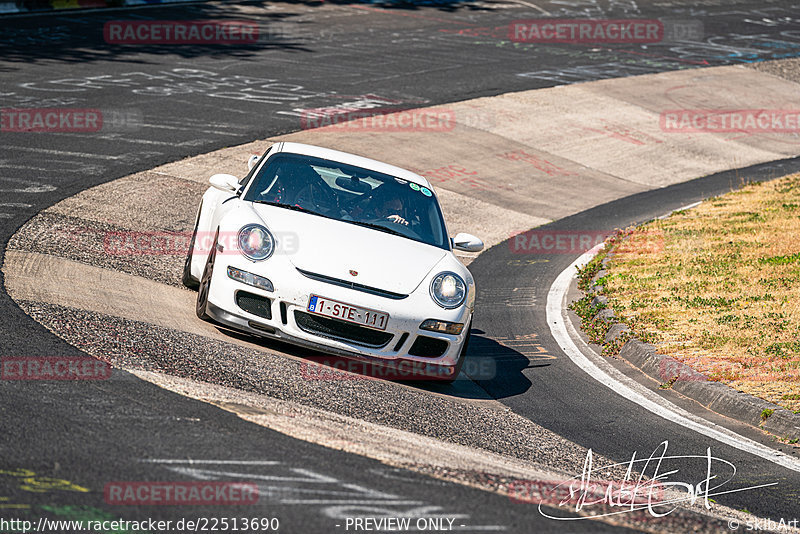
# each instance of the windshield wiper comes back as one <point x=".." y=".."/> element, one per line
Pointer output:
<point x="379" y="228"/>
<point x="359" y="223"/>
<point x="291" y="207"/>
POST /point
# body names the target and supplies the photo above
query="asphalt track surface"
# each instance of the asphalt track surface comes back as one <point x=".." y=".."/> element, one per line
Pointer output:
<point x="191" y="100"/>
<point x="562" y="398"/>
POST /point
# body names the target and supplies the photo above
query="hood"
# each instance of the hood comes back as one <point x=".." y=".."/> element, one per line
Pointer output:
<point x="334" y="248"/>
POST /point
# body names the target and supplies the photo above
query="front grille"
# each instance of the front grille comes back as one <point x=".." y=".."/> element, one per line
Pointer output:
<point x="255" y="304"/>
<point x="399" y="344"/>
<point x="352" y="285"/>
<point x="428" y="347"/>
<point x="341" y="330"/>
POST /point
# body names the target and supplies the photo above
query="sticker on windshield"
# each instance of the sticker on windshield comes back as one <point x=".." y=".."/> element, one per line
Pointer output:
<point x="401" y="181"/>
<point x="425" y="191"/>
<point x="414" y="186"/>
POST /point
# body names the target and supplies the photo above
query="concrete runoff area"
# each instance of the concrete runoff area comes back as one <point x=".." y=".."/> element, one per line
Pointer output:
<point x="534" y="157"/>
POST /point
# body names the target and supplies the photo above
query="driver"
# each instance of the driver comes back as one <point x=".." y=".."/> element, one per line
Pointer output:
<point x="382" y="206"/>
<point x="390" y="209"/>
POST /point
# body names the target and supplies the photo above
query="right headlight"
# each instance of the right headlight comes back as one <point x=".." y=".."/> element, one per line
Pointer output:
<point x="448" y="290"/>
<point x="256" y="242"/>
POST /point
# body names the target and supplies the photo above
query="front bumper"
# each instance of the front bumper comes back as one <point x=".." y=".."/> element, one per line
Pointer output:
<point x="291" y="294"/>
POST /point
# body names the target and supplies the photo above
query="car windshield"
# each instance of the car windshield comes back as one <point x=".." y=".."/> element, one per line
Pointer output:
<point x="350" y="194"/>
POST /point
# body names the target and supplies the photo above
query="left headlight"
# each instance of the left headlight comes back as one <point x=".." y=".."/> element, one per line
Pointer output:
<point x="256" y="242"/>
<point x="448" y="290"/>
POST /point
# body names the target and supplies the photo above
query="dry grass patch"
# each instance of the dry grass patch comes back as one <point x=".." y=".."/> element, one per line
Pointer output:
<point x="718" y="288"/>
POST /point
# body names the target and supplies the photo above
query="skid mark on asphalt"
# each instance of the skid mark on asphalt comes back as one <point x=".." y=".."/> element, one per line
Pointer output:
<point x="506" y="297"/>
<point x="502" y="348"/>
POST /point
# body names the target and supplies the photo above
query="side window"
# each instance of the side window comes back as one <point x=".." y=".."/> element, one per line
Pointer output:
<point x="244" y="181"/>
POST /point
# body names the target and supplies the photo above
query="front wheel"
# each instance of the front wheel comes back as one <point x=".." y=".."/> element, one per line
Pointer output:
<point x="203" y="290"/>
<point x="461" y="357"/>
<point x="187" y="278"/>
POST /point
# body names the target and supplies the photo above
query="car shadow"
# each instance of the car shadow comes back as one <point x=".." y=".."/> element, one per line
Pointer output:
<point x="78" y="36"/>
<point x="491" y="369"/>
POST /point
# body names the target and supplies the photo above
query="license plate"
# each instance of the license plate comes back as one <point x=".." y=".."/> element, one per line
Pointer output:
<point x="348" y="312"/>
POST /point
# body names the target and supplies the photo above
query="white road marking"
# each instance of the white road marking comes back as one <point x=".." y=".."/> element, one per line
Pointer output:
<point x="534" y="6"/>
<point x="63" y="152"/>
<point x="11" y="205"/>
<point x="30" y="189"/>
<point x="336" y="498"/>
<point x="686" y="207"/>
<point x="576" y="349"/>
<point x="212" y="462"/>
<point x="27" y="167"/>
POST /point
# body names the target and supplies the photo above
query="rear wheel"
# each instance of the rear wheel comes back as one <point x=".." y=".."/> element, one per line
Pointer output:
<point x="187" y="278"/>
<point x="205" y="283"/>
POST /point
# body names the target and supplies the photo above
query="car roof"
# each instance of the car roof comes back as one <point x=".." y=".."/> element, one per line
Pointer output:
<point x="352" y="159"/>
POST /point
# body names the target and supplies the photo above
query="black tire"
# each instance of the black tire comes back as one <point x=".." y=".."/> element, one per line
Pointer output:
<point x="188" y="280"/>
<point x="201" y="308"/>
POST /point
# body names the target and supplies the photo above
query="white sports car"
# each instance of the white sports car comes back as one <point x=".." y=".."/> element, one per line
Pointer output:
<point x="338" y="253"/>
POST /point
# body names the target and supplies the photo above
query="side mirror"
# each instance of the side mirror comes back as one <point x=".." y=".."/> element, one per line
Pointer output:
<point x="252" y="160"/>
<point x="467" y="243"/>
<point x="225" y="182"/>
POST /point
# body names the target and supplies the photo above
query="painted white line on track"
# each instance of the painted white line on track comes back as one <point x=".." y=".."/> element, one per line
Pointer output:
<point x="577" y="350"/>
<point x="210" y="462"/>
<point x="686" y="207"/>
<point x="30" y="189"/>
<point x="64" y="152"/>
<point x="534" y="6"/>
